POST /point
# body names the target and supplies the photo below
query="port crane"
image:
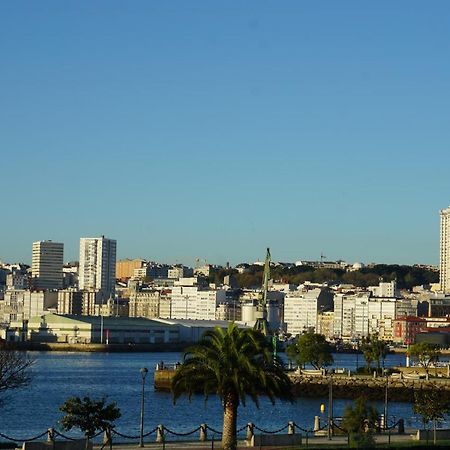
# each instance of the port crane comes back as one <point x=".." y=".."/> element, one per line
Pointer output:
<point x="261" y="323"/>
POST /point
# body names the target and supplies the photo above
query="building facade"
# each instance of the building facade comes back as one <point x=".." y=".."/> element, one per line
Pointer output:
<point x="85" y="329"/>
<point x="351" y="316"/>
<point x="406" y="329"/>
<point x="144" y="303"/>
<point x="47" y="265"/>
<point x="194" y="302"/>
<point x="360" y="315"/>
<point x="98" y="265"/>
<point x="20" y="304"/>
<point x="301" y="309"/>
<point x="125" y="268"/>
<point x="385" y="289"/>
<point x="70" y="301"/>
<point x="444" y="254"/>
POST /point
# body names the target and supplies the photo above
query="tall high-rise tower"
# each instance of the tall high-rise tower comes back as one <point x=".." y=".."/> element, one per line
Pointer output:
<point x="97" y="265"/>
<point x="444" y="260"/>
<point x="47" y="265"/>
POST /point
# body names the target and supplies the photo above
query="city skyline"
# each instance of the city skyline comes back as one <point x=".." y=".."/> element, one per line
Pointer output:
<point x="191" y="262"/>
<point x="216" y="131"/>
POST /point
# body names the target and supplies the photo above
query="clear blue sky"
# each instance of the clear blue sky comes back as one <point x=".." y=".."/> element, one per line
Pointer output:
<point x="207" y="129"/>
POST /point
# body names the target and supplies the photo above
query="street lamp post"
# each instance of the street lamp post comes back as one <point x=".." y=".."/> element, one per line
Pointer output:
<point x="386" y="402"/>
<point x="330" y="407"/>
<point x="144" y="372"/>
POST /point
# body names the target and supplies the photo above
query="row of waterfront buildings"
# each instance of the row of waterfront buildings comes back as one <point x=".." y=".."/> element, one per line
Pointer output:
<point x="340" y="312"/>
<point x="98" y="286"/>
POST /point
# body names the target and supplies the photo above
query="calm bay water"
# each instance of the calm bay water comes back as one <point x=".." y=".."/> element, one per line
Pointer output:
<point x="59" y="375"/>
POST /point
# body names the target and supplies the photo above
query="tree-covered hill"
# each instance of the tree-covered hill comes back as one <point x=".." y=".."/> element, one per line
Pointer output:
<point x="406" y="276"/>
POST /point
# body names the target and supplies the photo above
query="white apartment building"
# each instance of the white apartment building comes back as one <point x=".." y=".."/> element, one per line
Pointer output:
<point x="144" y="304"/>
<point x="98" y="265"/>
<point x="176" y="272"/>
<point x="47" y="265"/>
<point x="70" y="301"/>
<point x="17" y="280"/>
<point x="351" y="313"/>
<point x="183" y="302"/>
<point x="11" y="307"/>
<point x="207" y="302"/>
<point x="385" y="289"/>
<point x="406" y="307"/>
<point x="92" y="301"/>
<point x="22" y="304"/>
<point x="229" y="311"/>
<point x="444" y="254"/>
<point x="301" y="310"/>
<point x="382" y="313"/>
<point x="194" y="302"/>
<point x="325" y="324"/>
<point x="165" y="304"/>
<point x="360" y="315"/>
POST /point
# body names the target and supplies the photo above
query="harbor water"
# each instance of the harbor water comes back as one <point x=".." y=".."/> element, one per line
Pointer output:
<point x="57" y="376"/>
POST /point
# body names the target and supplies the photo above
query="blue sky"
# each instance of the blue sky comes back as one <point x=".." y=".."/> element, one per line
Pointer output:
<point x="215" y="129"/>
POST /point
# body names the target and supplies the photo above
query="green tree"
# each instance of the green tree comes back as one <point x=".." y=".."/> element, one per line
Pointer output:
<point x="374" y="350"/>
<point x="380" y="350"/>
<point x="14" y="370"/>
<point x="426" y="354"/>
<point x="311" y="348"/>
<point x="90" y="416"/>
<point x="366" y="348"/>
<point x="432" y="406"/>
<point x="360" y="422"/>
<point x="234" y="364"/>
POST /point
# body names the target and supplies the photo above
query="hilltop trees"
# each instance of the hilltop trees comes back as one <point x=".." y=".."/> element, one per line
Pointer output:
<point x="406" y="276"/>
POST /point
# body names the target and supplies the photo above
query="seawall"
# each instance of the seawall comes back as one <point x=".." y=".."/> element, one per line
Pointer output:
<point x="346" y="387"/>
<point x="343" y="386"/>
<point x="64" y="347"/>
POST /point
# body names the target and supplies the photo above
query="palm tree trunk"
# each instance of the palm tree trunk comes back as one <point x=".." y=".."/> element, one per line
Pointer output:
<point x="229" y="439"/>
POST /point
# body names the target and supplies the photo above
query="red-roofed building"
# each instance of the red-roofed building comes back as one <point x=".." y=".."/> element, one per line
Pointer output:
<point x="406" y="328"/>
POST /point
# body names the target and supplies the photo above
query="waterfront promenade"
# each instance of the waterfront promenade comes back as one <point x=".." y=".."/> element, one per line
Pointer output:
<point x="312" y="441"/>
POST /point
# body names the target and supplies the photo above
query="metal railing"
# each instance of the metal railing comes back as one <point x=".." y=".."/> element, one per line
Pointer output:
<point x="162" y="433"/>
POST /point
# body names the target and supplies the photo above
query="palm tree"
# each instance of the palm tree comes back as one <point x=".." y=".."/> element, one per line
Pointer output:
<point x="232" y="363"/>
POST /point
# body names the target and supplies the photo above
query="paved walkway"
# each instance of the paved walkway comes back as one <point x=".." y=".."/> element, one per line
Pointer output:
<point x="312" y="442"/>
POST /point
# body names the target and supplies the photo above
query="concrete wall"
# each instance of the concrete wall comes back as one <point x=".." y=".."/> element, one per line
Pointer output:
<point x="440" y="434"/>
<point x="259" y="440"/>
